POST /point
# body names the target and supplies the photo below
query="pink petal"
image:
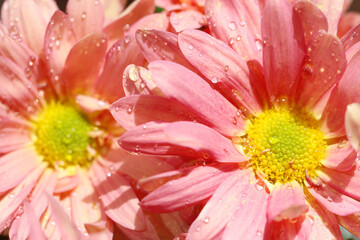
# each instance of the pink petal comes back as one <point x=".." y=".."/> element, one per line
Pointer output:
<point x="258" y="84"/>
<point x="286" y="201"/>
<point x="160" y="45"/>
<point x="231" y="196"/>
<point x="231" y="23"/>
<point x="287" y="230"/>
<point x="351" y="223"/>
<point x="347" y="183"/>
<point x="352" y="125"/>
<point x="149" y="233"/>
<point x="113" y="9"/>
<point x="11" y="201"/>
<point x="180" y="138"/>
<point x="13" y="139"/>
<point x="221" y="65"/>
<point x="67" y="228"/>
<point x="334" y="201"/>
<point x="10" y="173"/>
<point x="59" y="39"/>
<point x="187" y="19"/>
<point x="135" y="166"/>
<point x="347" y="22"/>
<point x="86" y="207"/>
<point x="340" y="156"/>
<point x="66" y="183"/>
<point x="119" y="200"/>
<point x="196" y="184"/>
<point x="137" y="80"/>
<point x="249" y="220"/>
<point x="87" y="16"/>
<point x="149" y="184"/>
<point x="346" y="92"/>
<point x="100" y="230"/>
<point x="132" y="13"/>
<point x="210" y="105"/>
<point x="90" y="104"/>
<point x="146" y="108"/>
<point x="333" y="10"/>
<point x="36" y="232"/>
<point x="318" y="71"/>
<point x="283" y="50"/>
<point x="351" y="37"/>
<point x="90" y="52"/>
<point x="311" y="17"/>
<point x="17" y="92"/>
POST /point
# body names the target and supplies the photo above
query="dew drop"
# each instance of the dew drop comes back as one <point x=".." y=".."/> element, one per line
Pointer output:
<point x="231" y="41"/>
<point x="258" y="233"/>
<point x="226" y="68"/>
<point x="83" y="15"/>
<point x="232" y="25"/>
<point x="108" y="174"/>
<point x="191" y="47"/>
<point x="242" y="23"/>
<point x="127" y="39"/>
<point x="130" y="109"/>
<point x="342" y="143"/>
<point x="329" y="199"/>
<point x="259" y="187"/>
<point x="307" y="71"/>
<point x="206" y="220"/>
<point x="198" y="229"/>
<point x="214" y="79"/>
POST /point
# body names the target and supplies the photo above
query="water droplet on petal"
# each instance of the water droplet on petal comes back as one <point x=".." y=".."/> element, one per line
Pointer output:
<point x="232" y="25"/>
<point x="191" y="47"/>
<point x="206" y="220"/>
<point x="214" y="79"/>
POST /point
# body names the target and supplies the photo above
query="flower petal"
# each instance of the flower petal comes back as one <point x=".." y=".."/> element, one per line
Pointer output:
<point x="283" y="50"/>
<point x="347" y="183"/>
<point x="351" y="37"/>
<point x="66" y="183"/>
<point x="181" y="138"/>
<point x="352" y="125"/>
<point x="135" y="110"/>
<point x="119" y="200"/>
<point x="221" y="65"/>
<point x="222" y="206"/>
<point x="347" y="22"/>
<point x="351" y="223"/>
<point x="311" y="17"/>
<point x="87" y="16"/>
<point x="13" y="139"/>
<point x="187" y="19"/>
<point x="90" y="104"/>
<point x="179" y="83"/>
<point x="286" y="201"/>
<point x="340" y="157"/>
<point x="334" y="201"/>
<point x="90" y="52"/>
<point x="36" y="233"/>
<point x="231" y="22"/>
<point x="333" y="10"/>
<point x="196" y="184"/>
<point x="324" y="66"/>
<point x="346" y="92"/>
<point x="113" y="9"/>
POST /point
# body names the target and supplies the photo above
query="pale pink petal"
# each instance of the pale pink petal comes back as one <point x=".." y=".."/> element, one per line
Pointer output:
<point x="249" y="220"/>
<point x="146" y="108"/>
<point x="87" y="16"/>
<point x="149" y="233"/>
<point x="67" y="183"/>
<point x="90" y="104"/>
<point x="334" y="201"/>
<point x="100" y="230"/>
<point x="181" y="138"/>
<point x="352" y="125"/>
<point x="286" y="201"/>
<point x="347" y="22"/>
<point x="290" y="230"/>
<point x="13" y="139"/>
<point x="179" y="83"/>
<point x="346" y="92"/>
<point x="16" y="91"/>
<point x="11" y="202"/>
<point x="12" y="119"/>
<point x="234" y="193"/>
<point x="157" y="21"/>
<point x="351" y="223"/>
<point x="160" y="45"/>
<point x="340" y="156"/>
<point x="196" y="184"/>
<point x="135" y="166"/>
<point x="324" y="66"/>
<point x="119" y="200"/>
<point x="347" y="183"/>
<point x="352" y="51"/>
<point x="59" y="39"/>
<point x="90" y="52"/>
<point x="258" y="84"/>
<point x="187" y="19"/>
<point x="10" y="172"/>
<point x="67" y="228"/>
<point x="36" y="232"/>
<point x="113" y="9"/>
<point x="333" y="10"/>
<point x="221" y="65"/>
<point x="311" y="17"/>
<point x="351" y="37"/>
<point x="174" y="223"/>
<point x="149" y="184"/>
<point x="132" y="13"/>
<point x="86" y="207"/>
<point x="283" y="50"/>
<point x="15" y="50"/>
<point x="229" y="22"/>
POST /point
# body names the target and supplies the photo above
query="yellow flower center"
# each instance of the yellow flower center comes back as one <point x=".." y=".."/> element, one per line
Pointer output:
<point x="285" y="144"/>
<point x="61" y="136"/>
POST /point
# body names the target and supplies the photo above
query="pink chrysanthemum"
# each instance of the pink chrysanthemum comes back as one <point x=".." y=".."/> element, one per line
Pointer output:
<point x="264" y="114"/>
<point x="57" y="135"/>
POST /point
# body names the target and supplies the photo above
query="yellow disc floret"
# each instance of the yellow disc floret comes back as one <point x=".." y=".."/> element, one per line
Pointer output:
<point x="62" y="135"/>
<point x="285" y="144"/>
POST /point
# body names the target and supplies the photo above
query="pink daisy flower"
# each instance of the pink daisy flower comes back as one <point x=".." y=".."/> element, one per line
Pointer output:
<point x="264" y="113"/>
<point x="57" y="135"/>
